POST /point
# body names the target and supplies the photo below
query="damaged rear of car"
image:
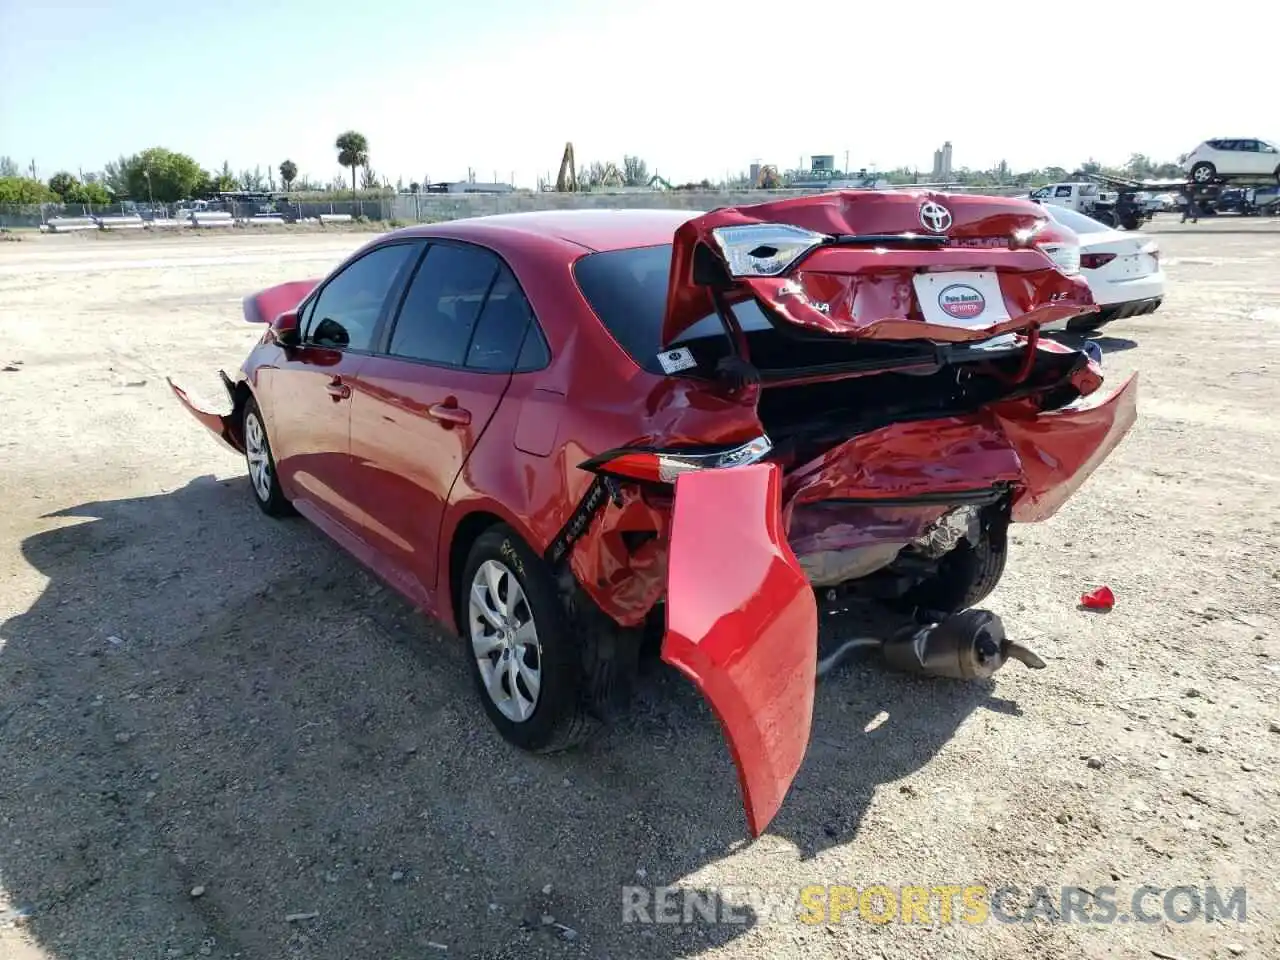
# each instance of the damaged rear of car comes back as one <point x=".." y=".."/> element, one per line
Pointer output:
<point x="903" y="412"/>
<point x="720" y="433"/>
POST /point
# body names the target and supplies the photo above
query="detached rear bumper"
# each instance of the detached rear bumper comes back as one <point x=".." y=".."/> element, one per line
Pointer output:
<point x="741" y="613"/>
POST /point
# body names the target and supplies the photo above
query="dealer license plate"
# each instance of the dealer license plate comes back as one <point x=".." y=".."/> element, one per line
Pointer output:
<point x="961" y="299"/>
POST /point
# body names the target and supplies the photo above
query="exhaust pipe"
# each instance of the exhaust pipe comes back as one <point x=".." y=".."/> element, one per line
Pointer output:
<point x="970" y="645"/>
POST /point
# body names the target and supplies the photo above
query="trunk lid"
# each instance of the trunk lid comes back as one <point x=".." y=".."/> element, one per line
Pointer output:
<point x="879" y="265"/>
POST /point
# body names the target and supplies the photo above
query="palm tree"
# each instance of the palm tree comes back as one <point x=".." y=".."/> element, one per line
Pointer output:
<point x="288" y="173"/>
<point x="353" y="152"/>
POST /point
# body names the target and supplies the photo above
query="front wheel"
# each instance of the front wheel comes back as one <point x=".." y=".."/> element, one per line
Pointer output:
<point x="263" y="479"/>
<point x="523" y="656"/>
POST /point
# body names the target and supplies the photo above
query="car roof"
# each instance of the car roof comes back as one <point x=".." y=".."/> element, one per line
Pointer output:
<point x="592" y="229"/>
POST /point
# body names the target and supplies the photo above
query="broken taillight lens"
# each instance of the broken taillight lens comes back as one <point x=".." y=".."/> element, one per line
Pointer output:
<point x="663" y="466"/>
<point x="1092" y="261"/>
<point x="764" y="249"/>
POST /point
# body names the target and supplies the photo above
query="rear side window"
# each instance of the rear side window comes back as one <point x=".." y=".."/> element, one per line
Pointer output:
<point x="346" y="312"/>
<point x="442" y="303"/>
<point x="627" y="289"/>
<point x="500" y="329"/>
<point x="1077" y="222"/>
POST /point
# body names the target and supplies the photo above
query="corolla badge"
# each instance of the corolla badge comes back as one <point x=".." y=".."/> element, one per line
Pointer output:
<point x="935" y="217"/>
<point x="962" y="301"/>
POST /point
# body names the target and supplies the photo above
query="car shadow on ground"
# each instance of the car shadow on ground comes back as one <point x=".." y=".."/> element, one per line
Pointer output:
<point x="223" y="737"/>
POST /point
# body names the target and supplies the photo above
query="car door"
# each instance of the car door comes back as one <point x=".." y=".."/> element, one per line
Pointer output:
<point x="420" y="406"/>
<point x="1255" y="160"/>
<point x="309" y="391"/>
<point x="1268" y="159"/>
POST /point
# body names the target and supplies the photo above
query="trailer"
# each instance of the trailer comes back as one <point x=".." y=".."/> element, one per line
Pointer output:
<point x="1130" y="210"/>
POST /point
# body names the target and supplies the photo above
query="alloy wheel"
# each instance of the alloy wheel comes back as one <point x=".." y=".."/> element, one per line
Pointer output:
<point x="255" y="452"/>
<point x="504" y="640"/>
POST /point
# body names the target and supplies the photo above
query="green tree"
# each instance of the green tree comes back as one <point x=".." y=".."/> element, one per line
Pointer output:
<point x="62" y="183"/>
<point x="25" y="190"/>
<point x="353" y="152"/>
<point x="87" y="193"/>
<point x="635" y="172"/>
<point x="163" y="175"/>
<point x="8" y="167"/>
<point x="288" y="173"/>
<point x="113" y="177"/>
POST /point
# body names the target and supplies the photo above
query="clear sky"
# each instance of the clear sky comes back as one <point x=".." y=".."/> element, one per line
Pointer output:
<point x="698" y="88"/>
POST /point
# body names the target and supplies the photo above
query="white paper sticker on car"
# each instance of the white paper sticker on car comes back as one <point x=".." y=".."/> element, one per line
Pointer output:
<point x="961" y="299"/>
<point x="673" y="361"/>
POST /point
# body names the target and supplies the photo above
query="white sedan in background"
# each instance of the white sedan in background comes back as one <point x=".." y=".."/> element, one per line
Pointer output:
<point x="1121" y="266"/>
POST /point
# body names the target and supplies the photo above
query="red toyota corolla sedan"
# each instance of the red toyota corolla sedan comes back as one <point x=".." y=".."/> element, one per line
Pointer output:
<point x="562" y="432"/>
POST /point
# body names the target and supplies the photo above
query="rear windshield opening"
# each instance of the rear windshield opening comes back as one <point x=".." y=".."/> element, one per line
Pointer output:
<point x="627" y="289"/>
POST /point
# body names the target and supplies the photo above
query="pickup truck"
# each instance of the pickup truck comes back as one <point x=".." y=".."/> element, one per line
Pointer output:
<point x="1102" y="205"/>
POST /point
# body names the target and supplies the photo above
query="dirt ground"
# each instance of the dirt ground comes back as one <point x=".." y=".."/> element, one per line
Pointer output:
<point x="211" y="723"/>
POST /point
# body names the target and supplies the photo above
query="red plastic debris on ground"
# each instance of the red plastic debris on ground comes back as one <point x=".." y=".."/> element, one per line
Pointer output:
<point x="1100" y="599"/>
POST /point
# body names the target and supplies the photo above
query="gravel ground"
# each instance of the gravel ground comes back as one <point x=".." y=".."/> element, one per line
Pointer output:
<point x="213" y="723"/>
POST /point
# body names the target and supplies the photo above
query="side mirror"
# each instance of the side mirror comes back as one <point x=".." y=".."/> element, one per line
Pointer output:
<point x="285" y="329"/>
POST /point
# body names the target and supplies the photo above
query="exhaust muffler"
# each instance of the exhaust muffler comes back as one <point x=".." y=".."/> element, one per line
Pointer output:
<point x="970" y="645"/>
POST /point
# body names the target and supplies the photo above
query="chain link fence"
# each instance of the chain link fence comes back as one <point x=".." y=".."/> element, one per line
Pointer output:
<point x="394" y="210"/>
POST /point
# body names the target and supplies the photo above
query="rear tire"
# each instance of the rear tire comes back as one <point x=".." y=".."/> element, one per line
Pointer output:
<point x="524" y="657"/>
<point x="965" y="576"/>
<point x="264" y="481"/>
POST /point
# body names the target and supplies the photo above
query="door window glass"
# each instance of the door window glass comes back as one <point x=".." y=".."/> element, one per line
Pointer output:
<point x="441" y="305"/>
<point x="346" y="312"/>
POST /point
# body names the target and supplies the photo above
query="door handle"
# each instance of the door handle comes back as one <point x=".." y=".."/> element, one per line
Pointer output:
<point x="337" y="389"/>
<point x="449" y="413"/>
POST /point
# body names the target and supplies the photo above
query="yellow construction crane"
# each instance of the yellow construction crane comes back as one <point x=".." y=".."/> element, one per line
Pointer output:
<point x="567" y="181"/>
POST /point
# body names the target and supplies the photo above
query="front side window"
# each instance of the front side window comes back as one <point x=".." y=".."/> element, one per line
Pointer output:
<point x="1063" y="191"/>
<point x="345" y="313"/>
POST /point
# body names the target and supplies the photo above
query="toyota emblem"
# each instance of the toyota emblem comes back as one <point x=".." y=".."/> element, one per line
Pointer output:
<point x="935" y="217"/>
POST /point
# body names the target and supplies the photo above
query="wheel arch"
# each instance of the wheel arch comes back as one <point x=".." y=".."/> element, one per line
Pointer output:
<point x="464" y="529"/>
<point x="241" y="394"/>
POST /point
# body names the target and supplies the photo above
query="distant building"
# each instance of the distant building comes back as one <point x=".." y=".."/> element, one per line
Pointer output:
<point x="822" y="163"/>
<point x="942" y="162"/>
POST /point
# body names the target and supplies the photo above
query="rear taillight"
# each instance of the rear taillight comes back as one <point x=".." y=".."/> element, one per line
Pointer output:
<point x="764" y="249"/>
<point x="663" y="466"/>
<point x="1092" y="261"/>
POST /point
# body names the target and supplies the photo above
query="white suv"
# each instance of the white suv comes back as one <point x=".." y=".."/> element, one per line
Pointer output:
<point x="1233" y="158"/>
